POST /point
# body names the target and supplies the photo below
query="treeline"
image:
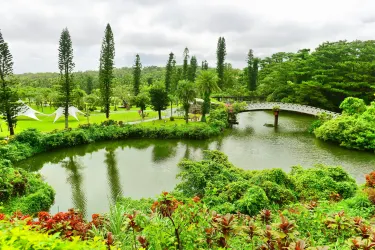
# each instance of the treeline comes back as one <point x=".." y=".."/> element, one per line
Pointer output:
<point x="322" y="78"/>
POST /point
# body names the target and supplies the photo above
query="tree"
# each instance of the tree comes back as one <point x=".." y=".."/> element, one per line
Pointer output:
<point x="79" y="98"/>
<point x="107" y="56"/>
<point x="66" y="66"/>
<point x="89" y="85"/>
<point x="137" y="71"/>
<point x="252" y="71"/>
<point x="220" y="55"/>
<point x="185" y="66"/>
<point x="207" y="84"/>
<point x="149" y="81"/>
<point x="176" y="76"/>
<point x="250" y="62"/>
<point x="254" y="74"/>
<point x="186" y="93"/>
<point x="9" y="105"/>
<point x="141" y="101"/>
<point x="192" y="72"/>
<point x="169" y="72"/>
<point x="204" y="65"/>
<point x="159" y="98"/>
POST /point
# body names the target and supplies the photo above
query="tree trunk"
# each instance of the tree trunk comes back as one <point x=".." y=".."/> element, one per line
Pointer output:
<point x="142" y="114"/>
<point x="10" y="123"/>
<point x="187" y="114"/>
<point x="107" y="110"/>
<point x="276" y="121"/>
<point x="171" y="108"/>
<point x="159" y="111"/>
<point x="66" y="116"/>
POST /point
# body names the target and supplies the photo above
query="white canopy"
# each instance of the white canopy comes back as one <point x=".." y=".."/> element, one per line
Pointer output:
<point x="25" y="110"/>
<point x="72" y="111"/>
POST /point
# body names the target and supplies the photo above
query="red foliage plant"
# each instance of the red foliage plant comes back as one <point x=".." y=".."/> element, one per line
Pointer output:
<point x="68" y="224"/>
<point x="370" y="179"/>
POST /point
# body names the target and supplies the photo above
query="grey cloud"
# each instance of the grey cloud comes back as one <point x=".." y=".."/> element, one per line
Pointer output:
<point x="286" y="34"/>
<point x="147" y="59"/>
<point x="202" y="18"/>
<point x="35" y="28"/>
<point x="150" y="39"/>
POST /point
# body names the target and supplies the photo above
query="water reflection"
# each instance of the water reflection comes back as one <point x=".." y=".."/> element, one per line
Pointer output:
<point x="113" y="174"/>
<point x="75" y="179"/>
<point x="164" y="150"/>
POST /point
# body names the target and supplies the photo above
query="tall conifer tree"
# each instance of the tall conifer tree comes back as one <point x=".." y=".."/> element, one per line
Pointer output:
<point x="66" y="66"/>
<point x="107" y="57"/>
<point x="185" y="66"/>
<point x="204" y="65"/>
<point x="137" y="71"/>
<point x="220" y="55"/>
<point x="252" y="71"/>
<point x="169" y="72"/>
<point x="9" y="105"/>
<point x="192" y="71"/>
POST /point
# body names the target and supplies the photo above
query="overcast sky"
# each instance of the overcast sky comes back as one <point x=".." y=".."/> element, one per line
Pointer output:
<point x="154" y="28"/>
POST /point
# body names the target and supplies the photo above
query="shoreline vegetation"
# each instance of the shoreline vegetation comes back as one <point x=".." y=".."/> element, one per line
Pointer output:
<point x="354" y="129"/>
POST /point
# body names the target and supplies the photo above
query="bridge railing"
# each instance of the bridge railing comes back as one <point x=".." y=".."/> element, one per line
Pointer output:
<point x="290" y="107"/>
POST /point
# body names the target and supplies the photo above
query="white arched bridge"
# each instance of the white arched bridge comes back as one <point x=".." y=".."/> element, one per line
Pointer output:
<point x="256" y="106"/>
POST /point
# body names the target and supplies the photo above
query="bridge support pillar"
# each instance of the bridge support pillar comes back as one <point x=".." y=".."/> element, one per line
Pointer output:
<point x="276" y="121"/>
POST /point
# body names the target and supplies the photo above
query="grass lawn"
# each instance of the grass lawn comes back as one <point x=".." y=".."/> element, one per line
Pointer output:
<point x="46" y="122"/>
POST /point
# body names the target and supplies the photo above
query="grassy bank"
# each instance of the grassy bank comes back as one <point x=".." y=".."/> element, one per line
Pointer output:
<point x="46" y="122"/>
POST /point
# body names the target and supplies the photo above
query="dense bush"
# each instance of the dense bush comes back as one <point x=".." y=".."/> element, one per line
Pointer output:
<point x="24" y="191"/>
<point x="354" y="129"/>
<point x="228" y="189"/>
<point x="321" y="182"/>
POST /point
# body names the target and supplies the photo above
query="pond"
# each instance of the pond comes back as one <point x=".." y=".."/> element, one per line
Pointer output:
<point x="90" y="177"/>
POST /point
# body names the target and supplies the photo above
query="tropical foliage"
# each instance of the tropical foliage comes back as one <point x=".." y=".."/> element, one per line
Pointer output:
<point x="355" y="128"/>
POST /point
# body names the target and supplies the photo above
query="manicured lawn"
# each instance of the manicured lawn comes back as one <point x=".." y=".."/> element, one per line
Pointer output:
<point x="46" y="122"/>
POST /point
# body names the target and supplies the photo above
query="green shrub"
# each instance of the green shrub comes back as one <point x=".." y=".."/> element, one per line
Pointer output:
<point x="254" y="200"/>
<point x="30" y="136"/>
<point x="278" y="194"/>
<point x="24" y="191"/>
<point x="355" y="129"/>
<point x="321" y="181"/>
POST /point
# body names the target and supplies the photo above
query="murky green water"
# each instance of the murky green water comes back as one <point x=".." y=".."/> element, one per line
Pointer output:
<point x="89" y="177"/>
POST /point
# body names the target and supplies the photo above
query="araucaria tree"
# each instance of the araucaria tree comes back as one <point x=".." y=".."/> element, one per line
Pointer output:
<point x="252" y="71"/>
<point x="66" y="66"/>
<point x="185" y="66"/>
<point x="220" y="55"/>
<point x="159" y="98"/>
<point x="9" y="107"/>
<point x="204" y="65"/>
<point x="137" y="71"/>
<point x="186" y="94"/>
<point x="207" y="84"/>
<point x="169" y="72"/>
<point x="192" y="72"/>
<point x="107" y="56"/>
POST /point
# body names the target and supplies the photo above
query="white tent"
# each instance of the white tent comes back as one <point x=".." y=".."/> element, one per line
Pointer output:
<point x="72" y="111"/>
<point x="27" y="111"/>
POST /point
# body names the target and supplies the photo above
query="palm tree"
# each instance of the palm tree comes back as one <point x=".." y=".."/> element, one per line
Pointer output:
<point x="186" y="94"/>
<point x="207" y="83"/>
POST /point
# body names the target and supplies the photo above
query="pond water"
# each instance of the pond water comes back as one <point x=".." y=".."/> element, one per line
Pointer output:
<point x="90" y="177"/>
